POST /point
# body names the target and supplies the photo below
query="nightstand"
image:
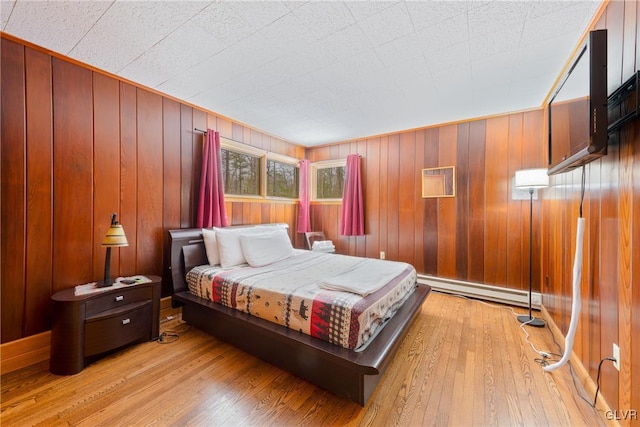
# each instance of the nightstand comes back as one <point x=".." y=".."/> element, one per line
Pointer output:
<point x="88" y="326"/>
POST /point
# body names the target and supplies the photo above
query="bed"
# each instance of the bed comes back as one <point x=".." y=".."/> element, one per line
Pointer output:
<point x="348" y="369"/>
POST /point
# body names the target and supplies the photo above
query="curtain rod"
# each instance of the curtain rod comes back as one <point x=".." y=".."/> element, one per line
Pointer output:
<point x="236" y="142"/>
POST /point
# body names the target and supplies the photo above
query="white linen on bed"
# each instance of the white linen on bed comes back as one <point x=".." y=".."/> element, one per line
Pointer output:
<point x="266" y="248"/>
<point x="287" y="292"/>
<point x="229" y="242"/>
<point x="211" y="246"/>
<point x="365" y="277"/>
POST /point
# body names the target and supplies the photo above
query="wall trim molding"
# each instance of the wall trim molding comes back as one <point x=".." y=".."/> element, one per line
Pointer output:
<point x="498" y="294"/>
<point x="34" y="349"/>
<point x="24" y="352"/>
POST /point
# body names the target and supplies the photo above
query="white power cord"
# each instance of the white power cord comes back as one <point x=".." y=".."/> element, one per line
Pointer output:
<point x="577" y="302"/>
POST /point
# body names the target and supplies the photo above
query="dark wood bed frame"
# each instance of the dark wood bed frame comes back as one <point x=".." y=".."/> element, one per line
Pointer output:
<point x="344" y="372"/>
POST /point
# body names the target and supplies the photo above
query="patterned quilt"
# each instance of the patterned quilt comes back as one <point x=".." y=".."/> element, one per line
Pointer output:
<point x="290" y="293"/>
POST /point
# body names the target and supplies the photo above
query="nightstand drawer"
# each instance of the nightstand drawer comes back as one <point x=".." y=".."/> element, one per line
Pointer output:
<point x="87" y="325"/>
<point x="119" y="298"/>
<point x="119" y="327"/>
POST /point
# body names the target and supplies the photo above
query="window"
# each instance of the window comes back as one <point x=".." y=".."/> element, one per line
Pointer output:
<point x="240" y="173"/>
<point x="255" y="173"/>
<point x="327" y="180"/>
<point x="282" y="179"/>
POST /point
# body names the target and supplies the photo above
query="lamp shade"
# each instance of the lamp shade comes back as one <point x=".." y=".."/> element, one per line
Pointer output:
<point x="532" y="178"/>
<point x="115" y="236"/>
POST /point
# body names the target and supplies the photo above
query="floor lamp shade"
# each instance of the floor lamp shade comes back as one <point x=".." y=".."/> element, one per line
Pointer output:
<point x="531" y="179"/>
<point x="114" y="238"/>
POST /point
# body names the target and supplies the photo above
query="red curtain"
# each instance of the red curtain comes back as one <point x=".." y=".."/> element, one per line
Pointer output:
<point x="211" y="209"/>
<point x="304" y="220"/>
<point x="352" y="216"/>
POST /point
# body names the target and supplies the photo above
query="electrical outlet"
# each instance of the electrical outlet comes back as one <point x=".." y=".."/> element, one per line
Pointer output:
<point x="381" y="255"/>
<point x="616" y="355"/>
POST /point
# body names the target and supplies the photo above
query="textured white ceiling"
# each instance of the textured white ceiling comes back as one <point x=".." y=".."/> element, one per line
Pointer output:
<point x="318" y="72"/>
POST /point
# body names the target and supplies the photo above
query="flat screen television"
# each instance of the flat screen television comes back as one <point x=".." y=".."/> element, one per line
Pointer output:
<point x="578" y="108"/>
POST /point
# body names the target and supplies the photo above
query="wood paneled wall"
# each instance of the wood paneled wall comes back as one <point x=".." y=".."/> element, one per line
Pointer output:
<point x="481" y="235"/>
<point x="610" y="286"/>
<point x="77" y="145"/>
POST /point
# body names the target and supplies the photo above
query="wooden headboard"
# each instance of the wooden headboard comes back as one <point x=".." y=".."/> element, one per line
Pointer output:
<point x="187" y="251"/>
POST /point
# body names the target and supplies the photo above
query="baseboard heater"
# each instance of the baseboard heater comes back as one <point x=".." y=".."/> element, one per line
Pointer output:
<point x="484" y="292"/>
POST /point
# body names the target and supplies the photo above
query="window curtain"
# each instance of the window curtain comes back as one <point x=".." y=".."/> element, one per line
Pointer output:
<point x="211" y="209"/>
<point x="304" y="219"/>
<point x="352" y="217"/>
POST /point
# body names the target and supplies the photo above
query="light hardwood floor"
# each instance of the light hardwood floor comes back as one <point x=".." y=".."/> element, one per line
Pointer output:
<point x="463" y="363"/>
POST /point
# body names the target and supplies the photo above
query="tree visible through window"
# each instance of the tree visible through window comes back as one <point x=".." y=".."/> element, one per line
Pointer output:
<point x="241" y="173"/>
<point x="330" y="182"/>
<point x="282" y="180"/>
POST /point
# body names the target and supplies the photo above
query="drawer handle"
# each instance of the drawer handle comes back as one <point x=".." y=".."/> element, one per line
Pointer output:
<point x="119" y="298"/>
<point x="126" y="321"/>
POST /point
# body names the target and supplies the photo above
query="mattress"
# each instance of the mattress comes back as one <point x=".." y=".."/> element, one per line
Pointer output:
<point x="293" y="293"/>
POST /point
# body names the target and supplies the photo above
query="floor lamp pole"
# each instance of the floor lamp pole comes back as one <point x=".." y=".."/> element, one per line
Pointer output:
<point x="530" y="320"/>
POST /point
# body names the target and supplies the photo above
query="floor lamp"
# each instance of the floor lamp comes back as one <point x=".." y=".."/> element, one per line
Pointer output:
<point x="531" y="179"/>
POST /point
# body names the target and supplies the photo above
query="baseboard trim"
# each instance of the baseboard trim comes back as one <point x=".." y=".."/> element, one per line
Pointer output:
<point x="34" y="349"/>
<point x="583" y="375"/>
<point x="24" y="352"/>
<point x="499" y="294"/>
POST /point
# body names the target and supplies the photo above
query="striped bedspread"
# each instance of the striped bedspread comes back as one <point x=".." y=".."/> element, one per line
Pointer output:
<point x="290" y="293"/>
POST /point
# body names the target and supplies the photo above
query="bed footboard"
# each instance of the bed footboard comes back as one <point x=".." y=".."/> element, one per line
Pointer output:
<point x="348" y="374"/>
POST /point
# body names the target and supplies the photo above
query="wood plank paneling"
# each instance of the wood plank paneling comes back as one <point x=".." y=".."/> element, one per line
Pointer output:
<point x="95" y="145"/>
<point x="430" y="230"/>
<point x="592" y="218"/>
<point x="171" y="180"/>
<point x="39" y="256"/>
<point x="625" y="206"/>
<point x="384" y="194"/>
<point x="392" y="206"/>
<point x="496" y="190"/>
<point x="13" y="187"/>
<point x="611" y="210"/>
<point x="407" y="197"/>
<point x="609" y="245"/>
<point x="447" y="144"/>
<point x="462" y="200"/>
<point x="634" y="371"/>
<point x="199" y="121"/>
<point x="534" y="154"/>
<point x="444" y="231"/>
<point x="477" y="142"/>
<point x="188" y="178"/>
<point x="372" y="198"/>
<point x="224" y="126"/>
<point x="128" y="178"/>
<point x="517" y="248"/>
<point x="150" y="175"/>
<point x="418" y="259"/>
<point x="106" y="164"/>
<point x="72" y="175"/>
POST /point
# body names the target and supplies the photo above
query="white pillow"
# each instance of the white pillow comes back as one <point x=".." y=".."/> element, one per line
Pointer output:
<point x="211" y="246"/>
<point x="229" y="242"/>
<point x="266" y="248"/>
